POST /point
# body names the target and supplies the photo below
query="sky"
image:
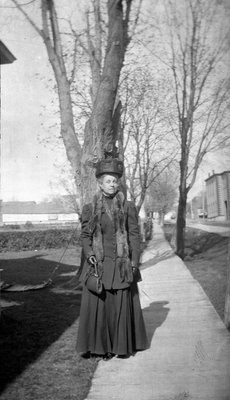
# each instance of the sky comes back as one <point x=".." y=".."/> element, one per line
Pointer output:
<point x="27" y="165"/>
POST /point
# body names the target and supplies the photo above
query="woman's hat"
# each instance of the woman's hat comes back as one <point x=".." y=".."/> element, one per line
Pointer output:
<point x="109" y="166"/>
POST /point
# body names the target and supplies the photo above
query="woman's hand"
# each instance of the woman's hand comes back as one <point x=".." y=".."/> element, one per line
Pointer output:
<point x="92" y="260"/>
<point x="136" y="274"/>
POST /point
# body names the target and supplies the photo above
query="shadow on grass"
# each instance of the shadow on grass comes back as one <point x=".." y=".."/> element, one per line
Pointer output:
<point x="26" y="331"/>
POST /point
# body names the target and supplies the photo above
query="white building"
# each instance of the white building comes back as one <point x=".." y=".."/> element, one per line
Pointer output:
<point x="218" y="196"/>
<point x="22" y="212"/>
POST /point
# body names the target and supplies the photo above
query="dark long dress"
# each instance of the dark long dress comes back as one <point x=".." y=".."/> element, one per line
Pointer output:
<point x="112" y="322"/>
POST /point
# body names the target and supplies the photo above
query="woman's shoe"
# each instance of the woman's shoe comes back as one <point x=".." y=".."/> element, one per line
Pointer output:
<point x="86" y="355"/>
<point x="123" y="356"/>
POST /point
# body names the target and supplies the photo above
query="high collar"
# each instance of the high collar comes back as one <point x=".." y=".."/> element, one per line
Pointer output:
<point x="109" y="196"/>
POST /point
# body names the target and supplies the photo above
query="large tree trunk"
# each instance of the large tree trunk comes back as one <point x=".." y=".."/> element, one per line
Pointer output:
<point x="180" y="225"/>
<point x="100" y="131"/>
<point x="183" y="191"/>
<point x="181" y="213"/>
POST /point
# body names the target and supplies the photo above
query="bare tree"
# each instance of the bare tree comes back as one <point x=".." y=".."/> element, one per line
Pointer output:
<point x="198" y="68"/>
<point x="162" y="194"/>
<point x="145" y="136"/>
<point x="106" y="55"/>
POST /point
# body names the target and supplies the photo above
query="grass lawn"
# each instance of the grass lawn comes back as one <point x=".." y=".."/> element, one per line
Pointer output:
<point x="209" y="268"/>
<point x="37" y="337"/>
<point x="207" y="262"/>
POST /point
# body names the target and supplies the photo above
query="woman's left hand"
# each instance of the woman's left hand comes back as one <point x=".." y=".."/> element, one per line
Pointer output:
<point x="136" y="274"/>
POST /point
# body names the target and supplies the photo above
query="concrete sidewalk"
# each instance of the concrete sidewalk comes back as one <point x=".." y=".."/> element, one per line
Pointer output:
<point x="189" y="356"/>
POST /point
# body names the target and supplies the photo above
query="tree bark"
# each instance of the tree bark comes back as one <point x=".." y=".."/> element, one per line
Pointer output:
<point x="100" y="131"/>
<point x="181" y="223"/>
<point x="181" y="213"/>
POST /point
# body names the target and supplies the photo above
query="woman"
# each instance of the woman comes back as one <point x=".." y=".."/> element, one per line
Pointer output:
<point x="111" y="323"/>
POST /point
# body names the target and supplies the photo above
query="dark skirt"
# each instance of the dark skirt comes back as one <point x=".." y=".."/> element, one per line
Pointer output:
<point x="111" y="323"/>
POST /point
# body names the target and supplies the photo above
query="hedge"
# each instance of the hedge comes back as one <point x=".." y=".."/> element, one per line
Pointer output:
<point x="38" y="239"/>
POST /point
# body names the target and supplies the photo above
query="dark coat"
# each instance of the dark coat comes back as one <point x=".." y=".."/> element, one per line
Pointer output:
<point x="111" y="276"/>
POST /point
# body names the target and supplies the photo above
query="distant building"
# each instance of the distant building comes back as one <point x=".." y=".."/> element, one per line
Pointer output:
<point x="218" y="196"/>
<point x="197" y="207"/>
<point x="22" y="212"/>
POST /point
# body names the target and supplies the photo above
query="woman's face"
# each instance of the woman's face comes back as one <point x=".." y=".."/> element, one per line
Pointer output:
<point x="109" y="184"/>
